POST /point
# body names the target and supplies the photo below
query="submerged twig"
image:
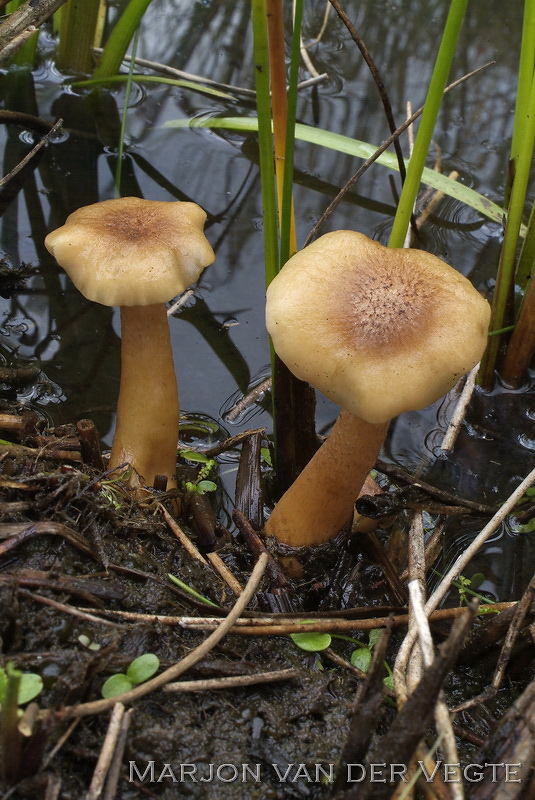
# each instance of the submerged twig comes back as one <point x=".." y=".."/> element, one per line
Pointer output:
<point x="450" y="437"/>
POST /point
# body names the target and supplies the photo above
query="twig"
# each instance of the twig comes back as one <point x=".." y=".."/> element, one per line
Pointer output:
<point x="22" y="23"/>
<point x="247" y="400"/>
<point x="232" y="681"/>
<point x="257" y="546"/>
<point x="106" y="753"/>
<point x="61" y="741"/>
<point x="114" y="772"/>
<point x="75" y="612"/>
<point x="176" y="670"/>
<point x="184" y="540"/>
<point x="450" y="437"/>
<point x="28" y="157"/>
<point x="224" y="572"/>
<point x="281" y="625"/>
<point x="387" y="107"/>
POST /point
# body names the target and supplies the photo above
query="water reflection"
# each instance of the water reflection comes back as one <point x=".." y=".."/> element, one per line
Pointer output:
<point x="76" y="343"/>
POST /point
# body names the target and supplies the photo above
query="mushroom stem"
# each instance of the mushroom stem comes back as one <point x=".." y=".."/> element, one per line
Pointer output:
<point x="320" y="502"/>
<point x="148" y="412"/>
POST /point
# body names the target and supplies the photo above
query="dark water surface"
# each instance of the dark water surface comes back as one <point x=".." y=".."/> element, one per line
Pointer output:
<point x="219" y="339"/>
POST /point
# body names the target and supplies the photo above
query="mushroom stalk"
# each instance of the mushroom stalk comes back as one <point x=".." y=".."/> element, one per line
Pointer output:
<point x="148" y="411"/>
<point x="320" y="502"/>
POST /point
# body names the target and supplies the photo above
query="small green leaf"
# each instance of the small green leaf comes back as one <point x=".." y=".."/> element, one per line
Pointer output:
<point x="206" y="486"/>
<point x="143" y="668"/>
<point x="374" y="636"/>
<point x="265" y="455"/>
<point x="361" y="658"/>
<point x="115" y="685"/>
<point x="476" y="580"/>
<point x="30" y="686"/>
<point x="193" y="455"/>
<point x="389" y="682"/>
<point x="312" y="642"/>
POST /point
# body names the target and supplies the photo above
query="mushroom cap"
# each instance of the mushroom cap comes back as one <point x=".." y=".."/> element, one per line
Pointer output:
<point x="132" y="252"/>
<point x="378" y="330"/>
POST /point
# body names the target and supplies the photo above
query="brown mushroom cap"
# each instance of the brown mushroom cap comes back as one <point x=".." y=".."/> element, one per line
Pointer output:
<point x="378" y="330"/>
<point x="132" y="252"/>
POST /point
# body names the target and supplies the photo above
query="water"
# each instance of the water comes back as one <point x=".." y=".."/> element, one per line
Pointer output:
<point x="219" y="339"/>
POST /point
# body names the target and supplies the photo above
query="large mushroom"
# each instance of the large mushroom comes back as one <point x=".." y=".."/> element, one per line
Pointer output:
<point x="379" y="331"/>
<point x="138" y="254"/>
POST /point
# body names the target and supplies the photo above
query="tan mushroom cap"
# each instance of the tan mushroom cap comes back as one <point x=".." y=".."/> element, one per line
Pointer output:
<point x="378" y="330"/>
<point x="132" y="252"/>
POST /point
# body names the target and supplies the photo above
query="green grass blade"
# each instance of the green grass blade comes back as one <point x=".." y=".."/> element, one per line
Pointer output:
<point x="503" y="294"/>
<point x="120" y="38"/>
<point x="427" y="124"/>
<point x="122" y="78"/>
<point x="124" y="118"/>
<point x="265" y="139"/>
<point x="358" y="149"/>
<point x="287" y="186"/>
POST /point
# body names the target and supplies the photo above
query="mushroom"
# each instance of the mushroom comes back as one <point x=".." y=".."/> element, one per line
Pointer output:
<point x="138" y="254"/>
<point x="379" y="331"/>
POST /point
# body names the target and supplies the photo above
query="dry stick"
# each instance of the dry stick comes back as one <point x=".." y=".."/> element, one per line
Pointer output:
<point x="282" y="626"/>
<point x="454" y="427"/>
<point x="47" y="601"/>
<point x="53" y="787"/>
<point x="106" y="753"/>
<point x="233" y="681"/>
<point x="176" y="670"/>
<point x="184" y="540"/>
<point x="22" y="23"/>
<point x="221" y="568"/>
<point x="465" y="557"/>
<point x="385" y="145"/>
<point x="114" y="772"/>
<point x="442" y="715"/>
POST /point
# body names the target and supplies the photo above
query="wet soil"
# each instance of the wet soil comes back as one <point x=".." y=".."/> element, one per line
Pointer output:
<point x="66" y="540"/>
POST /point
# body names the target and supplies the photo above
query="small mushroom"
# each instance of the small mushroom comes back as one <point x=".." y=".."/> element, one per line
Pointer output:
<point x="379" y="331"/>
<point x="138" y="254"/>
